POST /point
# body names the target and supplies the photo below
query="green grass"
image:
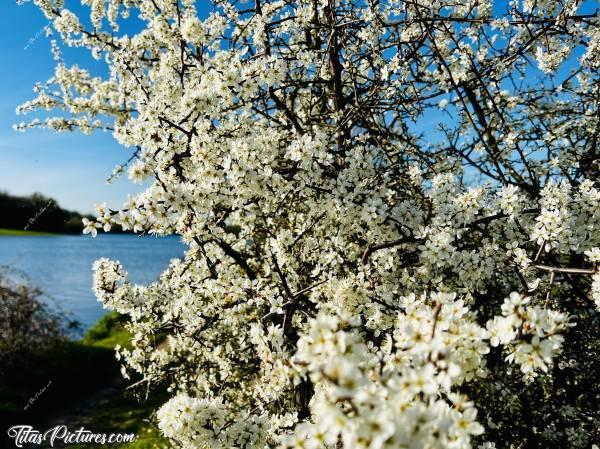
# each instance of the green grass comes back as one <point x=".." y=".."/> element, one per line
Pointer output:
<point x="108" y="332"/>
<point x="127" y="415"/>
<point x="72" y="369"/>
<point x="76" y="369"/>
<point x="123" y="414"/>
<point x="22" y="232"/>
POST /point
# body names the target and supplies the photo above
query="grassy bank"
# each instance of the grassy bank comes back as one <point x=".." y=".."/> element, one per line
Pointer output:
<point x="78" y="383"/>
<point x="21" y="232"/>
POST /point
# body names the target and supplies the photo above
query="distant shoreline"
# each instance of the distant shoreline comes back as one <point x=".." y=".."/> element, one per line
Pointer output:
<point x="24" y="233"/>
<point x="6" y="232"/>
<point x="37" y="213"/>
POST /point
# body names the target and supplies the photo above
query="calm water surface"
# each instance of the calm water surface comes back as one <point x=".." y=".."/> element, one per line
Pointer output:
<point x="62" y="265"/>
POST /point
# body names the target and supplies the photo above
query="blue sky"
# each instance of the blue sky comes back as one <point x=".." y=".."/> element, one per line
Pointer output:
<point x="69" y="167"/>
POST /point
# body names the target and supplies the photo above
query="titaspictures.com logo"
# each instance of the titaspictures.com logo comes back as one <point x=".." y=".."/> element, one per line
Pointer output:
<point x="25" y="434"/>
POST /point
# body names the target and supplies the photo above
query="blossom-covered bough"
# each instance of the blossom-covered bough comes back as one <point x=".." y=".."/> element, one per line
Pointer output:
<point x="391" y="210"/>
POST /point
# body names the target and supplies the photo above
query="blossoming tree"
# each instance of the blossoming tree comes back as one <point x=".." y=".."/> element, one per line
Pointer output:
<point x="390" y="208"/>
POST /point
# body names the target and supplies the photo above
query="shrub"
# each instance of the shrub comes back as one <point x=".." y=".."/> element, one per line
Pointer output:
<point x="27" y="325"/>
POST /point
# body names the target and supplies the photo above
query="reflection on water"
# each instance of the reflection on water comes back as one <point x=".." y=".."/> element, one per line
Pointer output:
<point x="62" y="265"/>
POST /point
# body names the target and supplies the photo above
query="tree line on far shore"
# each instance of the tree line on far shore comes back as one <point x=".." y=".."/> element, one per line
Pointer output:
<point x="37" y="212"/>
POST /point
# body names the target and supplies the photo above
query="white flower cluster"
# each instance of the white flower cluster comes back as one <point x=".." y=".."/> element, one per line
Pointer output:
<point x="532" y="334"/>
<point x="440" y="330"/>
<point x="596" y="290"/>
<point x="364" y="401"/>
<point x="204" y="423"/>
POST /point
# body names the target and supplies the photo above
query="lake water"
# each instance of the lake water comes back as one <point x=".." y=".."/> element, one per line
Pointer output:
<point x="62" y="265"/>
